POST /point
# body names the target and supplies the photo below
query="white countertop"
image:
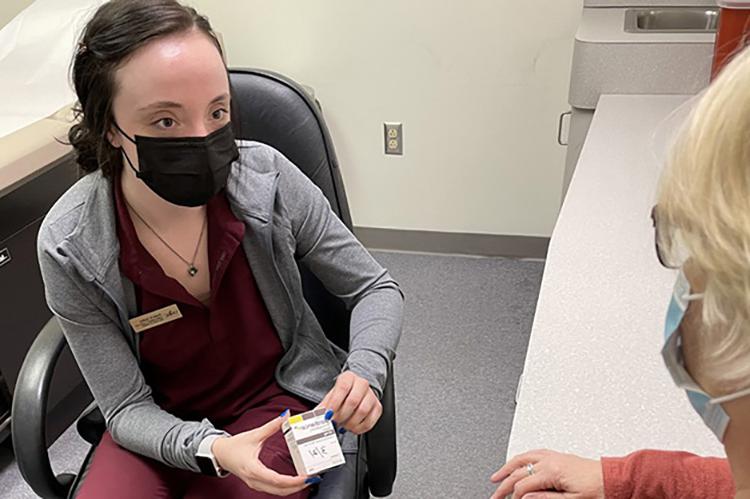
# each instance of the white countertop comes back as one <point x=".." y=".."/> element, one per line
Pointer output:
<point x="594" y="383"/>
<point x="30" y="151"/>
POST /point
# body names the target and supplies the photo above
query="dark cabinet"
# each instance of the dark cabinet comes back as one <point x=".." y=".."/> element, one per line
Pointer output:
<point x="23" y="309"/>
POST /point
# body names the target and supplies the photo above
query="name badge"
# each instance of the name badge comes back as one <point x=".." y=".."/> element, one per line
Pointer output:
<point x="156" y="318"/>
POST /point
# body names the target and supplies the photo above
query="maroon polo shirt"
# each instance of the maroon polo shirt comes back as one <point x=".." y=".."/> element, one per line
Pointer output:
<point x="219" y="360"/>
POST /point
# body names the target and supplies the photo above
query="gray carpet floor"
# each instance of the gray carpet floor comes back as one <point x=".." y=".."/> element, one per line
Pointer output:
<point x="463" y="346"/>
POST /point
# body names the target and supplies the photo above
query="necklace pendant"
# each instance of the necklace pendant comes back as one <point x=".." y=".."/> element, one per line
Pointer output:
<point x="192" y="270"/>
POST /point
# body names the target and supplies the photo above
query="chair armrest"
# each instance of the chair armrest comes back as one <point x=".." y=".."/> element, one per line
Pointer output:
<point x="91" y="425"/>
<point x="29" y="412"/>
<point x="380" y="445"/>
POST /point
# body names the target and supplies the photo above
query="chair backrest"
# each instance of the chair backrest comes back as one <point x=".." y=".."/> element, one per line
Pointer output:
<point x="270" y="108"/>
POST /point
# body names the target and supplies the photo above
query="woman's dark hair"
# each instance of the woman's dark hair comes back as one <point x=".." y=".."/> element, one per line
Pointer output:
<point x="117" y="29"/>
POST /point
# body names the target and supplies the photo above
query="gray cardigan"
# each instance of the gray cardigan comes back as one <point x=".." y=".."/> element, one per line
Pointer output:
<point x="287" y="218"/>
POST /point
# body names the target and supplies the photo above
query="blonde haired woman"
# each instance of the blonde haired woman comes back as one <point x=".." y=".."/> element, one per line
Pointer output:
<point x="702" y="221"/>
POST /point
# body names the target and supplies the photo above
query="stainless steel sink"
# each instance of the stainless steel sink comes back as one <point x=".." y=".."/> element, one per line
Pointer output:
<point x="672" y="20"/>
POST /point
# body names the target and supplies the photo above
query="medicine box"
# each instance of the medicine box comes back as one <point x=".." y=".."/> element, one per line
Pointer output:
<point x="312" y="442"/>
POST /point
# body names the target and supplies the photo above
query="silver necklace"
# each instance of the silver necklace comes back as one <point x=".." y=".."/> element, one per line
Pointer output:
<point x="192" y="270"/>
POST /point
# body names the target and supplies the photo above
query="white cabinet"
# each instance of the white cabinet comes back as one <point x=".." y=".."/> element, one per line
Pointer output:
<point x="607" y="59"/>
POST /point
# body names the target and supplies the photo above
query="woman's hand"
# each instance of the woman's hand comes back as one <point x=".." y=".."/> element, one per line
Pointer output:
<point x="555" y="475"/>
<point x="355" y="406"/>
<point x="239" y="455"/>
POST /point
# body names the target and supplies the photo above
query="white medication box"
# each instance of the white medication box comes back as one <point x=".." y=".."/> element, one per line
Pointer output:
<point x="312" y="442"/>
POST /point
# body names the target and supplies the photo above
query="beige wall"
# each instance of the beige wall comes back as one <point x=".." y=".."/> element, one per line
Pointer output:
<point x="9" y="9"/>
<point x="478" y="85"/>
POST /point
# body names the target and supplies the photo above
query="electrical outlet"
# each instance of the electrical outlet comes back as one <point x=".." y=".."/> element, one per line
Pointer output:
<point x="394" y="138"/>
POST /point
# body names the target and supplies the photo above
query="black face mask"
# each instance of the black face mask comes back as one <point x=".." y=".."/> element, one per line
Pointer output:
<point x="186" y="171"/>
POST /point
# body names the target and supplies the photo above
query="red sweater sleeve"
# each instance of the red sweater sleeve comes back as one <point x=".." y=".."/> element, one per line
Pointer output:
<point x="667" y="475"/>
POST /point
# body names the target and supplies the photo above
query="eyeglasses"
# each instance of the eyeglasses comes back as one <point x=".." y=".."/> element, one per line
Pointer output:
<point x="659" y="250"/>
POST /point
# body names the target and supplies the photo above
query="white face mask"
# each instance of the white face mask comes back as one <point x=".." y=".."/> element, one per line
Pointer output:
<point x="709" y="409"/>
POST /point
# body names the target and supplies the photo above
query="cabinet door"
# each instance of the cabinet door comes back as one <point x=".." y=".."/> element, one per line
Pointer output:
<point x="23" y="307"/>
<point x="23" y="313"/>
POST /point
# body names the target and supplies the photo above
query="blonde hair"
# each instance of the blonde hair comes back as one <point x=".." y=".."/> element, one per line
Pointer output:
<point x="703" y="211"/>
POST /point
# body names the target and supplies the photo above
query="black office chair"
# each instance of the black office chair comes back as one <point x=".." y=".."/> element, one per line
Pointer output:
<point x="268" y="108"/>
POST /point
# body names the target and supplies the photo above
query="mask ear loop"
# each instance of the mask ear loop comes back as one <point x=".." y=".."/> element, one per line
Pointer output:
<point x="123" y="133"/>
<point x="730" y="397"/>
<point x="693" y="296"/>
<point x="137" y="172"/>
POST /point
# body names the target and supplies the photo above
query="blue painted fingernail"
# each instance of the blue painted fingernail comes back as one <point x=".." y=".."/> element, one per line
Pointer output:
<point x="313" y="480"/>
<point x="283" y="414"/>
<point x="342" y="430"/>
<point x="329" y="415"/>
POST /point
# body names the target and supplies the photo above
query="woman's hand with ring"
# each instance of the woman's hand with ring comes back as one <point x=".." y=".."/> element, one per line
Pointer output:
<point x="545" y="474"/>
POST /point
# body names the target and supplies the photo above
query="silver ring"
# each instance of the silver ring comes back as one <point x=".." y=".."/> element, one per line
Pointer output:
<point x="530" y="469"/>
